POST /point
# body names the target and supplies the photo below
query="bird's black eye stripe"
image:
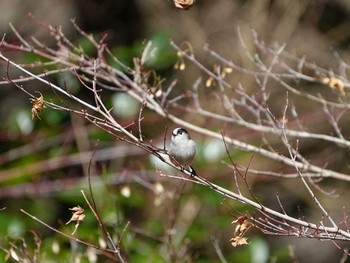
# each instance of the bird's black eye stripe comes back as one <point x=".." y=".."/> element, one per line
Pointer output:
<point x="181" y="131"/>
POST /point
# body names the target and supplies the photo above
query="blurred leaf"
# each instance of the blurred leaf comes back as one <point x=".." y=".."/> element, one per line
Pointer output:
<point x="24" y="121"/>
<point x="125" y="54"/>
<point x="11" y="225"/>
<point x="214" y="150"/>
<point x="124" y="106"/>
<point x="163" y="55"/>
<point x="52" y="117"/>
<point x="31" y="58"/>
<point x="70" y="82"/>
<point x="86" y="45"/>
<point x="241" y="254"/>
<point x="259" y="250"/>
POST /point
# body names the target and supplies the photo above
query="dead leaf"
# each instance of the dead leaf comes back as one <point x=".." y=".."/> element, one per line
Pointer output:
<point x="239" y="241"/>
<point x="335" y="84"/>
<point x="38" y="105"/>
<point x="241" y="228"/>
<point x="77" y="216"/>
<point x="184" y="4"/>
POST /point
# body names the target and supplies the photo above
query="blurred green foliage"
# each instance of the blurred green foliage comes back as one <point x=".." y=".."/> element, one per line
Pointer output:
<point x="162" y="57"/>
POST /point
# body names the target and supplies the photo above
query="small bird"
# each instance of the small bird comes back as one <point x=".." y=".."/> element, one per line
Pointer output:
<point x="182" y="147"/>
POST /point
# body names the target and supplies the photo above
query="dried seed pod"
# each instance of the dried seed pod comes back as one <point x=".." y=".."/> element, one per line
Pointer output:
<point x="210" y="82"/>
<point x="38" y="105"/>
<point x="184" y="4"/>
<point x="78" y="216"/>
<point x="335" y="84"/>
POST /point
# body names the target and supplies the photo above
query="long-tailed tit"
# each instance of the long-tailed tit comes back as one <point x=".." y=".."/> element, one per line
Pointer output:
<point x="182" y="147"/>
